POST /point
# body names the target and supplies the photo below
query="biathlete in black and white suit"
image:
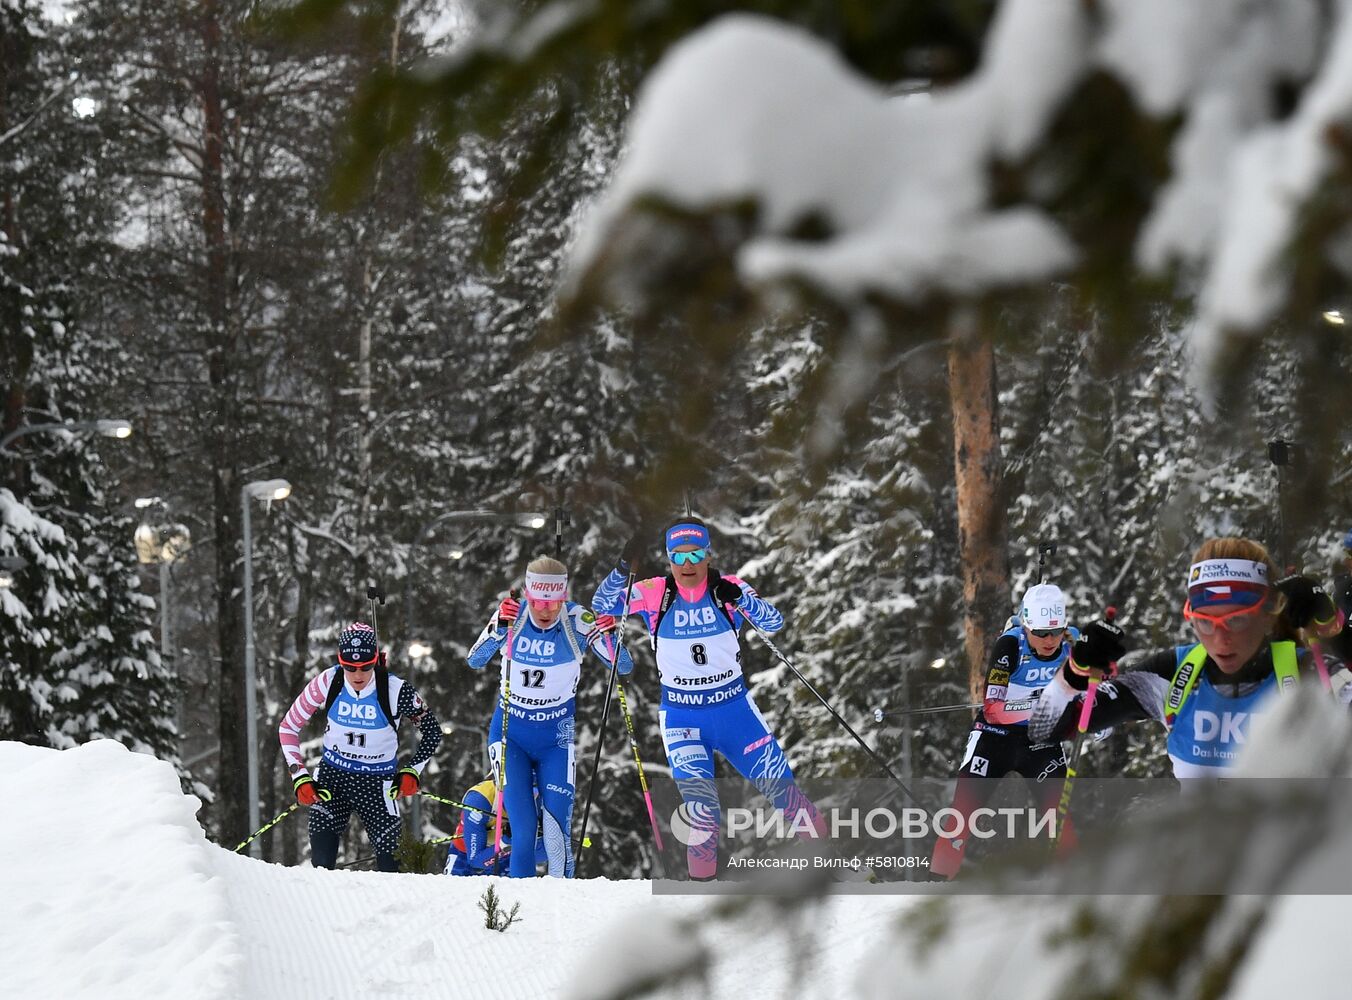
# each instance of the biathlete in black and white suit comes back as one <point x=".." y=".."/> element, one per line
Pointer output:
<point x="1022" y="662"/>
<point x="363" y="705"/>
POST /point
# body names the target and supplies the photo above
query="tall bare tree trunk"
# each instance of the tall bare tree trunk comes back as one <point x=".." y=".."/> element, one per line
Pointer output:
<point x="370" y="292"/>
<point x="978" y="464"/>
<point x="16" y="351"/>
<point x="223" y="443"/>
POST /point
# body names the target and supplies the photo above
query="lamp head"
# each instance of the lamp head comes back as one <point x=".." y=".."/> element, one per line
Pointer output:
<point x="113" y="428"/>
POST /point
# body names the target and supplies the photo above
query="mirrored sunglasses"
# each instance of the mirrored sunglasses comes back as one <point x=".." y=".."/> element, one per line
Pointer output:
<point x="1046" y="633"/>
<point x="691" y="558"/>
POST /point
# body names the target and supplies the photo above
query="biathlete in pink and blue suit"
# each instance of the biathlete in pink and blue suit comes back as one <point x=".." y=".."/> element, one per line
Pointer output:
<point x="693" y="615"/>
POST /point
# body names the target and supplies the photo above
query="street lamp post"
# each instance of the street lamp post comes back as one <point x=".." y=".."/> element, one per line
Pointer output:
<point x="163" y="544"/>
<point x="266" y="490"/>
<point x="108" y="428"/>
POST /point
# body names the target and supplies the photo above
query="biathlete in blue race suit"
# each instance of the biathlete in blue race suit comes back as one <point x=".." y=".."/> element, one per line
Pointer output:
<point x="473" y="851"/>
<point x="550" y="638"/>
<point x="693" y="615"/>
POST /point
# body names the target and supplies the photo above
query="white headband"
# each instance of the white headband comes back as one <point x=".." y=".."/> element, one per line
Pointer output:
<point x="546" y="586"/>
<point x="1227" y="571"/>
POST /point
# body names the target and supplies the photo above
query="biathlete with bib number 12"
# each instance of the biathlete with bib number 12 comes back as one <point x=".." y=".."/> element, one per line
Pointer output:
<point x="550" y="638"/>
<point x="693" y="615"/>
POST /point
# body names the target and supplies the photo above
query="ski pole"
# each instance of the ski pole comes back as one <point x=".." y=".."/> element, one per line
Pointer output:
<point x="827" y="705"/>
<point x="454" y="804"/>
<point x="374" y="594"/>
<point x="1320" y="665"/>
<point x="280" y="816"/>
<point x="506" y="711"/>
<point x="1072" y="763"/>
<point x="605" y="713"/>
<point x="561" y="519"/>
<point x="1044" y="549"/>
<point x="879" y="714"/>
<point x="638" y="763"/>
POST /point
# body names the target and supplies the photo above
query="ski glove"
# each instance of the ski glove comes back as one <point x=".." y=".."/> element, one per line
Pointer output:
<point x="405" y="784"/>
<point x="308" y="793"/>
<point x="1306" y="602"/>
<point x="508" y="611"/>
<point x="727" y="592"/>
<point x="601" y="624"/>
<point x="632" y="553"/>
<point x="1099" y="648"/>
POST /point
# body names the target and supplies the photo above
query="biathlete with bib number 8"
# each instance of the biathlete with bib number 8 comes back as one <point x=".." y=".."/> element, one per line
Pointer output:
<point x="693" y="616"/>
<point x="363" y="705"/>
<point x="550" y="637"/>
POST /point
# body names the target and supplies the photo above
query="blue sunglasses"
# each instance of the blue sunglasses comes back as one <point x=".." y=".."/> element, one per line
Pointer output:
<point x="688" y="558"/>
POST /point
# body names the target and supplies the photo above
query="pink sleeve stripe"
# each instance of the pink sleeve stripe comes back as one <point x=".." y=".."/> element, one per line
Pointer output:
<point x="302" y="709"/>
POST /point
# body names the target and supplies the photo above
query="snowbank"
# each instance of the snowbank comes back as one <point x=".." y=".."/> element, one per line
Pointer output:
<point x="112" y="891"/>
<point x="107" y="880"/>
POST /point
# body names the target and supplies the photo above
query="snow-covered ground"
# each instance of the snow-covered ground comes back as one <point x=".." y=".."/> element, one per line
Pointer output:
<point x="111" y="890"/>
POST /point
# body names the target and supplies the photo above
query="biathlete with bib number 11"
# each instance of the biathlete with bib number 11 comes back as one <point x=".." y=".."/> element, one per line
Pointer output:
<point x="363" y="705"/>
<point x="693" y="616"/>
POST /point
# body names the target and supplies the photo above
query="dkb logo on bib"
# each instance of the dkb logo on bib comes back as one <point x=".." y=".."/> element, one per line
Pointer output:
<point x="1041" y="675"/>
<point x="357" y="711"/>
<point x="1227" y="727"/>
<point x="534" y="647"/>
<point x="700" y="616"/>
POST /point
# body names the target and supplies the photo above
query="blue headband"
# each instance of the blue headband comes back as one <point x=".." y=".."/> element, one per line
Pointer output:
<point x="687" y="534"/>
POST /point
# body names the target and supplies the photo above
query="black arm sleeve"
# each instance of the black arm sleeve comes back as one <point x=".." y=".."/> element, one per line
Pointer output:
<point x="1137" y="694"/>
<point x="1000" y="664"/>
<point x="412" y="707"/>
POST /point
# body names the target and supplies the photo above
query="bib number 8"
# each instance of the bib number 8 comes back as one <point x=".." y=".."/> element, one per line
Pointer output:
<point x="698" y="654"/>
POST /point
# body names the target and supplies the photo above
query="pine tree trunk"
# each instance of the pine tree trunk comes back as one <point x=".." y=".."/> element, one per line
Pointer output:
<point x="16" y="350"/>
<point x="365" y="374"/>
<point x="982" y="547"/>
<point x="223" y="435"/>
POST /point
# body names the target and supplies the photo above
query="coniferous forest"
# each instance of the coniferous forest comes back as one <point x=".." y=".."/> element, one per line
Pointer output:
<point x="334" y="244"/>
